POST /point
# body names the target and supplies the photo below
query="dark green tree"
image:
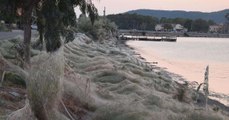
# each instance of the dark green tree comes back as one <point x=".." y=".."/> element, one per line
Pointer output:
<point x="166" y="20"/>
<point x="134" y="21"/>
<point x="227" y="23"/>
<point x="211" y="22"/>
<point x="55" y="19"/>
<point x="227" y="17"/>
<point x="179" y="21"/>
<point x="7" y="11"/>
<point x="188" y="24"/>
<point x="200" y="25"/>
<point x="23" y="8"/>
<point x="168" y="26"/>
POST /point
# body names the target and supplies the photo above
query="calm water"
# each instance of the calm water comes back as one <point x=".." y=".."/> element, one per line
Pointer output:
<point x="189" y="57"/>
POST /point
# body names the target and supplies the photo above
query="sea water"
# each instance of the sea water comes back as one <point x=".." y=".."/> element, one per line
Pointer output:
<point x="189" y="57"/>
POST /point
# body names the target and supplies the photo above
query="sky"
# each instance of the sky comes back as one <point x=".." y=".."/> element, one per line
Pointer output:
<point x="120" y="6"/>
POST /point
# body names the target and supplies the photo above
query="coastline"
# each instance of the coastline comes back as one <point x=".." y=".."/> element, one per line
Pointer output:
<point x="215" y="99"/>
<point x="176" y="34"/>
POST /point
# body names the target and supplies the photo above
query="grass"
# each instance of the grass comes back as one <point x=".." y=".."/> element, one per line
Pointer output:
<point x="3" y="28"/>
<point x="44" y="83"/>
<point x="130" y="88"/>
<point x="119" y="112"/>
<point x="203" y="116"/>
<point x="105" y="94"/>
<point x="151" y="100"/>
<point x="13" y="79"/>
<point x="3" y="117"/>
<point x="110" y="77"/>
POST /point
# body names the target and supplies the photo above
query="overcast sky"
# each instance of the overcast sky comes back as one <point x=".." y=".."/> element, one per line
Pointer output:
<point x="120" y="6"/>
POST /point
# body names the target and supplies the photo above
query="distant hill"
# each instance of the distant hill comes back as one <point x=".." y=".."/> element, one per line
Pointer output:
<point x="218" y="16"/>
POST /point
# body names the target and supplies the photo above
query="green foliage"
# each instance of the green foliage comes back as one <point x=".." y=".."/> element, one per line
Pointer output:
<point x="168" y="26"/>
<point x="166" y="20"/>
<point x="211" y="22"/>
<point x="188" y="24"/>
<point x="133" y="21"/>
<point x="57" y="18"/>
<point x="100" y="30"/>
<point x="141" y="22"/>
<point x="227" y="23"/>
<point x="227" y="17"/>
<point x="174" y="20"/>
<point x="14" y="79"/>
<point x="53" y="17"/>
<point x="8" y="11"/>
<point x="200" y="25"/>
<point x="3" y="27"/>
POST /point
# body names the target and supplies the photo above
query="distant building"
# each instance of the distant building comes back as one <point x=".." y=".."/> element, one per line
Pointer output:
<point x="159" y="27"/>
<point x="178" y="27"/>
<point x="170" y="27"/>
<point x="215" y="28"/>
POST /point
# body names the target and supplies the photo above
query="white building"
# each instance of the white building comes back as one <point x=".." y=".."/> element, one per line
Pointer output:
<point x="178" y="27"/>
<point x="159" y="27"/>
<point x="215" y="28"/>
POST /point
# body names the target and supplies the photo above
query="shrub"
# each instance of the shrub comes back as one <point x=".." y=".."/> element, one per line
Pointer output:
<point x="45" y="83"/>
<point x="14" y="79"/>
<point x="203" y="116"/>
<point x="109" y="77"/>
<point x="119" y="112"/>
<point x="184" y="94"/>
<point x="3" y="27"/>
<point x="102" y="28"/>
<point x="153" y="100"/>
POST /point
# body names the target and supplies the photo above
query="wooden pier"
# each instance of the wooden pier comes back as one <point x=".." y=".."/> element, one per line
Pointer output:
<point x="147" y="38"/>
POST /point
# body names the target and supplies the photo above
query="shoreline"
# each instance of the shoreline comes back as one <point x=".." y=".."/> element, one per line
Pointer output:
<point x="177" y="34"/>
<point x="179" y="79"/>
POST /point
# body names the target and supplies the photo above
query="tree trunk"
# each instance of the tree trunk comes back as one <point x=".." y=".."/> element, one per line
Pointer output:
<point x="27" y="35"/>
<point x="41" y="37"/>
<point x="38" y="109"/>
<point x="40" y="25"/>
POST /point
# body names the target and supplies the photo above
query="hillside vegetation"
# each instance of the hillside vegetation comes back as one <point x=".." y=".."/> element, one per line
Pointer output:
<point x="146" y="22"/>
<point x="217" y="16"/>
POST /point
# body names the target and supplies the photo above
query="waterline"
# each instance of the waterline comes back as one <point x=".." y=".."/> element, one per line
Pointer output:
<point x="189" y="57"/>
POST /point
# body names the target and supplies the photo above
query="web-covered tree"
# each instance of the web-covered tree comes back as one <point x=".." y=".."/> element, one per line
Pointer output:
<point x="59" y="19"/>
<point x="56" y="18"/>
